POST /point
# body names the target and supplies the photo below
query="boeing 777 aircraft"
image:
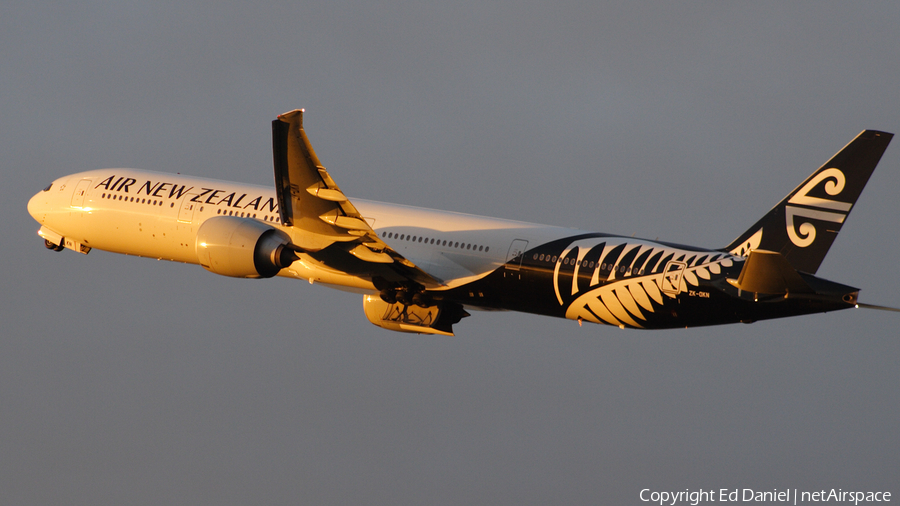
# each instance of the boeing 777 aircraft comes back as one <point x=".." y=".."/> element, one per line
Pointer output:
<point x="422" y="270"/>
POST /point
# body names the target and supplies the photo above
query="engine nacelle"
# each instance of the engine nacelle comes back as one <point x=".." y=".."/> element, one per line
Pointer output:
<point x="242" y="248"/>
<point x="400" y="317"/>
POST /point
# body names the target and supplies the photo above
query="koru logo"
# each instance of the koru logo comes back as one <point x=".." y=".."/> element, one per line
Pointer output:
<point x="815" y="207"/>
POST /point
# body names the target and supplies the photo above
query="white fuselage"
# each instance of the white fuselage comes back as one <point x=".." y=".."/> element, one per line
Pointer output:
<point x="157" y="215"/>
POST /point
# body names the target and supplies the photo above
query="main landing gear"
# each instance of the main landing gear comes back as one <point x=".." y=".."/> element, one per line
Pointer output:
<point x="406" y="297"/>
<point x="406" y="294"/>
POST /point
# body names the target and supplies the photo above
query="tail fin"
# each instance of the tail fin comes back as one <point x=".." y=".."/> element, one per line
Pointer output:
<point x="803" y="226"/>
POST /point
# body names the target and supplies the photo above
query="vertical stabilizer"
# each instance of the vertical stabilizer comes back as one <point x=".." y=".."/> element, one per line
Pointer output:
<point x="803" y="226"/>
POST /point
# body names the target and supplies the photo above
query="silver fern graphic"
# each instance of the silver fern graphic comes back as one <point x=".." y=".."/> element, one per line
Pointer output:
<point x="749" y="245"/>
<point x="623" y="295"/>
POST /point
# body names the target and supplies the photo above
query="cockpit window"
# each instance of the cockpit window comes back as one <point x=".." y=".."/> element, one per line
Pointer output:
<point x="48" y="187"/>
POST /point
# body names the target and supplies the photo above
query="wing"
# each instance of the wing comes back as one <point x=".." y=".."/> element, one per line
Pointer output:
<point x="321" y="218"/>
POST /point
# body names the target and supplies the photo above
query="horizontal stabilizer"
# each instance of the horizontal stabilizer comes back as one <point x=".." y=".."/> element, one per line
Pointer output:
<point x="769" y="272"/>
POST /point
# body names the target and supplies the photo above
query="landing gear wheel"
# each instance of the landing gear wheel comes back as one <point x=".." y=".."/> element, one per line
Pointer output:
<point x="55" y="247"/>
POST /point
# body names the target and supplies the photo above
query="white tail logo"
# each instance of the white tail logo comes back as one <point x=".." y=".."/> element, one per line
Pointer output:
<point x="816" y="206"/>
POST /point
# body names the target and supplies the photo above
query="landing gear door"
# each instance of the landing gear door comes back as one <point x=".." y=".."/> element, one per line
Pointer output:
<point x="515" y="254"/>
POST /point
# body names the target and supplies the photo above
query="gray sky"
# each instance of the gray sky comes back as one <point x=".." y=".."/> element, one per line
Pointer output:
<point x="132" y="381"/>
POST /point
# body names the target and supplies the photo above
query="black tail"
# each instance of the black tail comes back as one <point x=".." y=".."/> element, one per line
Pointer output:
<point x="803" y="226"/>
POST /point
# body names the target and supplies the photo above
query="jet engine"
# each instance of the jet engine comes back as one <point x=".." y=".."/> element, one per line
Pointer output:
<point x="435" y="319"/>
<point x="243" y="248"/>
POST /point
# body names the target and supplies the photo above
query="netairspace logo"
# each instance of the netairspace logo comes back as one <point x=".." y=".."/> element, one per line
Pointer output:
<point x="790" y="496"/>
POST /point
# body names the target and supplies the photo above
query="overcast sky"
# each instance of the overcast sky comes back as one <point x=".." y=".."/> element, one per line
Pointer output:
<point x="132" y="381"/>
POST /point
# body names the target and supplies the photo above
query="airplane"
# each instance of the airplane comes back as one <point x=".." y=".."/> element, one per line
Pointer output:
<point x="422" y="270"/>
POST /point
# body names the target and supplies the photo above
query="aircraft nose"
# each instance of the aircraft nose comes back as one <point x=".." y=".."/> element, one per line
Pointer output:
<point x="37" y="206"/>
